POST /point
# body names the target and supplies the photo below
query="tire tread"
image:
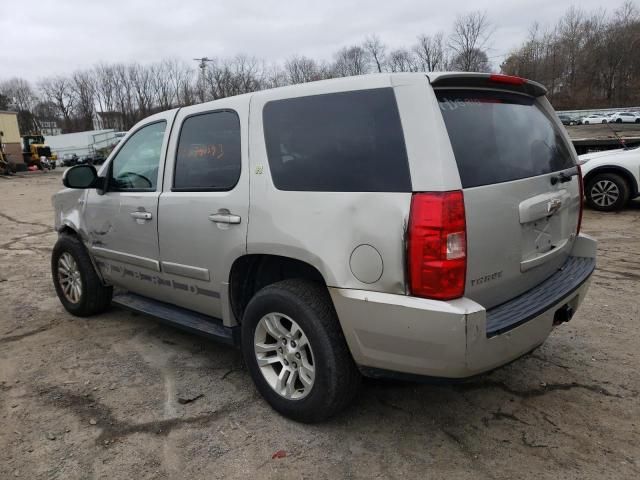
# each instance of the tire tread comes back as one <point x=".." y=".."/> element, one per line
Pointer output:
<point x="96" y="296"/>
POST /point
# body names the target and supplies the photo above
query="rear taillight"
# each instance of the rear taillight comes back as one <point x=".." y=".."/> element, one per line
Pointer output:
<point x="581" y="186"/>
<point x="437" y="245"/>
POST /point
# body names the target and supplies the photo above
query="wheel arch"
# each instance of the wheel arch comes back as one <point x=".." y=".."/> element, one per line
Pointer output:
<point x="623" y="172"/>
<point x="252" y="272"/>
<point x="66" y="229"/>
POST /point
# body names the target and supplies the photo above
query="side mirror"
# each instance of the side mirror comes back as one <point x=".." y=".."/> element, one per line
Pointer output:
<point x="80" y="176"/>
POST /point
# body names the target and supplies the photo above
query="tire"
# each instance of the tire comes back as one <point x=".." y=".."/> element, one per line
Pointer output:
<point x="336" y="378"/>
<point x="70" y="256"/>
<point x="586" y="123"/>
<point x="604" y="121"/>
<point x="607" y="192"/>
<point x="637" y="120"/>
<point x="618" y="120"/>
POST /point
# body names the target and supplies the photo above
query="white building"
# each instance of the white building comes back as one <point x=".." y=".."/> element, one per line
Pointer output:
<point x="82" y="143"/>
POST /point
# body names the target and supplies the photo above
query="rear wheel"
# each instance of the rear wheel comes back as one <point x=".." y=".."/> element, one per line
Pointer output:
<point x="637" y="120"/>
<point x="607" y="192"/>
<point x="296" y="353"/>
<point x="586" y="123"/>
<point x="604" y="121"/>
<point x="619" y="120"/>
<point x="78" y="286"/>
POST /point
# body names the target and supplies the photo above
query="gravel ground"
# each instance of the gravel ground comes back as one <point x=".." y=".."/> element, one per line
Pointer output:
<point x="119" y="396"/>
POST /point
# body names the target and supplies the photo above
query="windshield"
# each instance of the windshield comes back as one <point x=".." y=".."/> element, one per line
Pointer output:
<point x="500" y="137"/>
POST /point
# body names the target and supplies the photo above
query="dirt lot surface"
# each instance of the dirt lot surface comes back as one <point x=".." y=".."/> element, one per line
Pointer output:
<point x="120" y="397"/>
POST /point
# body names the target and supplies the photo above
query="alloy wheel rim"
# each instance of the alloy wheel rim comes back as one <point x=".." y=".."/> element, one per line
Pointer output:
<point x="284" y="356"/>
<point x="69" y="277"/>
<point x="605" y="193"/>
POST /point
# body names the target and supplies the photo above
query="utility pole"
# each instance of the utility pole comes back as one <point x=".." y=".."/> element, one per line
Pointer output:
<point x="203" y="66"/>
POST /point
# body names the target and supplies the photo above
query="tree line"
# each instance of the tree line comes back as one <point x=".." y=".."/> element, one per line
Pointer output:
<point x="585" y="60"/>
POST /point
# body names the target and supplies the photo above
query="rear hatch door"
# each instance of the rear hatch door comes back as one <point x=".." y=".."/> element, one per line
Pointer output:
<point x="521" y="188"/>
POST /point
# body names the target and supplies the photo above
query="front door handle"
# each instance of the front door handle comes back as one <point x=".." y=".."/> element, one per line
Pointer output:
<point x="225" y="218"/>
<point x="141" y="215"/>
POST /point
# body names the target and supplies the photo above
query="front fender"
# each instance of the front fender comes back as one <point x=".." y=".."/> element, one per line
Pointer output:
<point x="68" y="206"/>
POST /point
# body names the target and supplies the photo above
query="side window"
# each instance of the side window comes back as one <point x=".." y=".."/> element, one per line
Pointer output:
<point x="135" y="166"/>
<point x="338" y="142"/>
<point x="208" y="155"/>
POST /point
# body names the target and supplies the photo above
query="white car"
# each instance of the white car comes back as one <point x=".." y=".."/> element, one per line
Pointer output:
<point x="611" y="178"/>
<point x="624" y="117"/>
<point x="595" y="118"/>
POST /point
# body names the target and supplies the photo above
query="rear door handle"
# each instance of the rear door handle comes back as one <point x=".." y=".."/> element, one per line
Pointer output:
<point x="225" y="218"/>
<point x="141" y="215"/>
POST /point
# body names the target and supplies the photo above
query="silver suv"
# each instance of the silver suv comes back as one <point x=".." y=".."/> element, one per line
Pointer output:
<point x="402" y="225"/>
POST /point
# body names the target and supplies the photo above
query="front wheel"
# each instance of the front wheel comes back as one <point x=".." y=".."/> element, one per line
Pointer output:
<point x="78" y="286"/>
<point x="607" y="192"/>
<point x="296" y="353"/>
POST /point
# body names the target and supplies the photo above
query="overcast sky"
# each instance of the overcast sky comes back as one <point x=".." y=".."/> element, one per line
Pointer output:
<point x="44" y="37"/>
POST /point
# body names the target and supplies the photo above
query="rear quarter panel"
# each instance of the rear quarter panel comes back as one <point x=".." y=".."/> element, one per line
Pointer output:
<point x="324" y="228"/>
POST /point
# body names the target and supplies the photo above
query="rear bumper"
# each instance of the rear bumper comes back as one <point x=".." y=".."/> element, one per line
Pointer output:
<point x="454" y="339"/>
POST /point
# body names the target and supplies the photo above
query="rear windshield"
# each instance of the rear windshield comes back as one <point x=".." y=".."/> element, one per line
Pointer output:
<point x="499" y="137"/>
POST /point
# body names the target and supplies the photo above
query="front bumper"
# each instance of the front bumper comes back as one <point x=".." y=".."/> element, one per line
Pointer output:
<point x="453" y="339"/>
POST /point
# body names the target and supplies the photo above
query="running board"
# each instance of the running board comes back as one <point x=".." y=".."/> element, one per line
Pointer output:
<point x="179" y="317"/>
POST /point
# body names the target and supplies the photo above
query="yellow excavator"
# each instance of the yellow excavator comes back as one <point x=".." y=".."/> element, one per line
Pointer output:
<point x="34" y="148"/>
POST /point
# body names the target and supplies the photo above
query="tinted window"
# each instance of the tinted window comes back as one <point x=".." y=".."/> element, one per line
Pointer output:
<point x="500" y="137"/>
<point x="135" y="166"/>
<point x="340" y="142"/>
<point x="208" y="156"/>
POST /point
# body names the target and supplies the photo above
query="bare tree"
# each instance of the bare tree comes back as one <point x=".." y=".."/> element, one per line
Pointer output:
<point x="480" y="62"/>
<point x="82" y="87"/>
<point x="105" y="91"/>
<point x="572" y="36"/>
<point x="470" y="38"/>
<point x="431" y="53"/>
<point x="402" y="60"/>
<point x="376" y="50"/>
<point x="4" y="100"/>
<point x="58" y="90"/>
<point x="20" y="97"/>
<point x="141" y="80"/>
<point x="300" y="69"/>
<point x="351" y="61"/>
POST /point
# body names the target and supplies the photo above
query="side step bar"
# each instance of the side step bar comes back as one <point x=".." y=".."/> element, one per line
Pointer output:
<point x="178" y="317"/>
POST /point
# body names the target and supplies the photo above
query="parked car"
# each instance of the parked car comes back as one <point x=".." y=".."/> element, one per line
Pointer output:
<point x="595" y="118"/>
<point x="339" y="228"/>
<point x="69" y="159"/>
<point x="98" y="159"/>
<point x="624" y="117"/>
<point x="567" y="120"/>
<point x="611" y="178"/>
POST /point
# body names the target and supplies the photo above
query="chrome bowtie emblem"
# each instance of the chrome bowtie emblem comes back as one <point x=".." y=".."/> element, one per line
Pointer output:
<point x="553" y="206"/>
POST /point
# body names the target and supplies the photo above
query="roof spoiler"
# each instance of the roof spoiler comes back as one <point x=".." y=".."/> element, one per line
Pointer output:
<point x="487" y="80"/>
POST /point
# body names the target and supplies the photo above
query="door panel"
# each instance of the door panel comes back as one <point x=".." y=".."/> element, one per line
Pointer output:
<point x="121" y="224"/>
<point x="204" y="209"/>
